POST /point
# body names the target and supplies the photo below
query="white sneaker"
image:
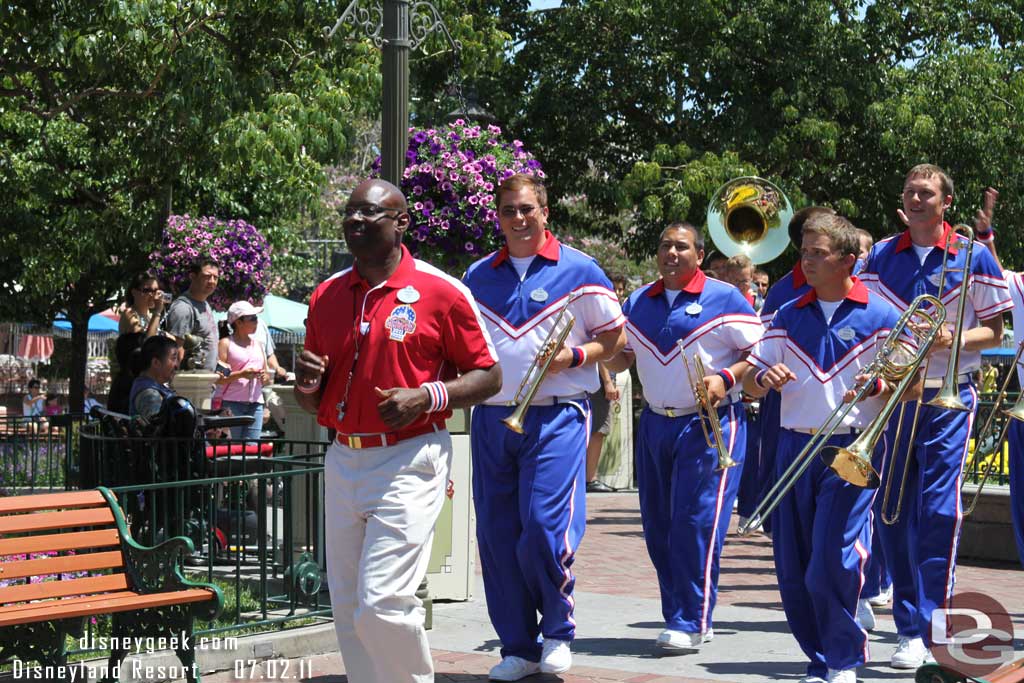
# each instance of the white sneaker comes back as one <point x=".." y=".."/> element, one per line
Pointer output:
<point x="682" y="640"/>
<point x="842" y="676"/>
<point x="865" y="615"/>
<point x="909" y="654"/>
<point x="883" y="598"/>
<point x="556" y="657"/>
<point x="812" y="679"/>
<point x="513" y="669"/>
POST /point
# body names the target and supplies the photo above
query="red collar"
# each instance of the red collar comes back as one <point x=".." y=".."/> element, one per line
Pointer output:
<point x="550" y="250"/>
<point x="694" y="286"/>
<point x="857" y="294"/>
<point x="402" y="276"/>
<point x="799" y="279"/>
<point x="905" y="242"/>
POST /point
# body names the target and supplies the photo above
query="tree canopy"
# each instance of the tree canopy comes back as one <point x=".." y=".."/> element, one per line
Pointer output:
<point x="647" y="105"/>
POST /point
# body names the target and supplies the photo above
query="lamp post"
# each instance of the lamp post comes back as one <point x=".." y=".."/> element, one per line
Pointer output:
<point x="397" y="27"/>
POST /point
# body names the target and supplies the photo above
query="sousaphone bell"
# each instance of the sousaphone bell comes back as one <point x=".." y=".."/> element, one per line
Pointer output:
<point x="750" y="215"/>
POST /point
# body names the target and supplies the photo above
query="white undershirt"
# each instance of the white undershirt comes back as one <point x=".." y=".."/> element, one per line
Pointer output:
<point x="671" y="295"/>
<point x="922" y="252"/>
<point x="829" y="308"/>
<point x="522" y="264"/>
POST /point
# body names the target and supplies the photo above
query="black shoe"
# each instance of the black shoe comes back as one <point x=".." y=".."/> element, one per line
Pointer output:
<point x="598" y="486"/>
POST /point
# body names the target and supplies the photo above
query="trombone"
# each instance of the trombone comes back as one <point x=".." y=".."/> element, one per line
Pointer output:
<point x="540" y="365"/>
<point x="948" y="396"/>
<point x="895" y="361"/>
<point x="706" y="412"/>
<point x="991" y="437"/>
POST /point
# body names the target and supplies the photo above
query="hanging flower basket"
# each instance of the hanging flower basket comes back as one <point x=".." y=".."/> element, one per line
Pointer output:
<point x="238" y="248"/>
<point x="450" y="179"/>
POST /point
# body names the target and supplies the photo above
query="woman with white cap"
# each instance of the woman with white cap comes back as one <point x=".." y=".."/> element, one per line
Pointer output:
<point x="247" y="361"/>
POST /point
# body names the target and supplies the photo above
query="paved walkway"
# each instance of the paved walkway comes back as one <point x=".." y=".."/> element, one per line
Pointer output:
<point x="619" y="616"/>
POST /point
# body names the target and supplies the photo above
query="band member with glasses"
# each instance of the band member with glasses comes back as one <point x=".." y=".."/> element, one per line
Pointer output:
<point x="920" y="548"/>
<point x="685" y="499"/>
<point x="392" y="345"/>
<point x="529" y="488"/>
<point x="812" y="354"/>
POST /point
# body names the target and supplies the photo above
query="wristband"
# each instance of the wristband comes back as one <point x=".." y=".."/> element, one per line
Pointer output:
<point x="758" y="379"/>
<point x="579" y="357"/>
<point x="727" y="376"/>
<point x="986" y="237"/>
<point x="311" y="389"/>
<point x="878" y="387"/>
<point x="438" y="394"/>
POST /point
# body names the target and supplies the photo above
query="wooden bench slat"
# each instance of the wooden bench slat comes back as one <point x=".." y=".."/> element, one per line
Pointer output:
<point x="60" y="564"/>
<point x="8" y="610"/>
<point x="58" y="589"/>
<point x="45" y="501"/>
<point x="43" y="521"/>
<point x="102" y="604"/>
<point x="76" y="540"/>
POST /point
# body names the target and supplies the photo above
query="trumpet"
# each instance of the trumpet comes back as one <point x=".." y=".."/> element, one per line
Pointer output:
<point x="539" y="366"/>
<point x="948" y="396"/>
<point x="705" y="411"/>
<point x="990" y="441"/>
<point x="894" y="362"/>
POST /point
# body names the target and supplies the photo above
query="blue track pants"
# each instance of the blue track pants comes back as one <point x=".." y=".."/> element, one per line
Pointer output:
<point x="821" y="535"/>
<point x="920" y="548"/>
<point x="1016" y="439"/>
<point x="685" y="506"/>
<point x="530" y="498"/>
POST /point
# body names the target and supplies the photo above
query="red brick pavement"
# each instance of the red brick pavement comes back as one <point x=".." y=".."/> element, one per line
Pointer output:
<point x="613" y="560"/>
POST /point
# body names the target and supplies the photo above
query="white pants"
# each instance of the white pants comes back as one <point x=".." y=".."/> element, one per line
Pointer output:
<point x="381" y="507"/>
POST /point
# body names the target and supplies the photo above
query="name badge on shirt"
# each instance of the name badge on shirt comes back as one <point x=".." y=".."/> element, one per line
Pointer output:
<point x="846" y="334"/>
<point x="539" y="295"/>
<point x="935" y="278"/>
<point x="400" y="322"/>
<point x="408" y="295"/>
<point x="694" y="309"/>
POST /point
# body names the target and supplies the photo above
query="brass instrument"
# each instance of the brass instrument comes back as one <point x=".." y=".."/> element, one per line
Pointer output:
<point x="895" y="361"/>
<point x="539" y="366"/>
<point x="749" y="215"/>
<point x="991" y="437"/>
<point x="948" y="396"/>
<point x="706" y="412"/>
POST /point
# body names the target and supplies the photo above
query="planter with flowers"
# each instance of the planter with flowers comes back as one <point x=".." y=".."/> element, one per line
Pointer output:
<point x="450" y="178"/>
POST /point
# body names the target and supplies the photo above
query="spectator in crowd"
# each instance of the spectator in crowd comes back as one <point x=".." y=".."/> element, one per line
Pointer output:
<point x="716" y="263"/>
<point x="601" y="408"/>
<point x="34" y="402"/>
<point x="760" y="287"/>
<point x="191" y="314"/>
<point x="246" y="360"/>
<point x="53" y="405"/>
<point x="144" y="303"/>
<point x="90" y="401"/>
<point x="127" y="351"/>
<point x="159" y="360"/>
<point x="739" y="272"/>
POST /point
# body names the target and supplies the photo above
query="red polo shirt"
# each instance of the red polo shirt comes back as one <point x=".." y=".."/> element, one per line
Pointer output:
<point x="419" y="326"/>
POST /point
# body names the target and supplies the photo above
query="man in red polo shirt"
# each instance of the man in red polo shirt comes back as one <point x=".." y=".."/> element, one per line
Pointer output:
<point x="392" y="344"/>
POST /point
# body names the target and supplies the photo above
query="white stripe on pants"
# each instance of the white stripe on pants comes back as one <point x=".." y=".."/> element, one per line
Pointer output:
<point x="381" y="506"/>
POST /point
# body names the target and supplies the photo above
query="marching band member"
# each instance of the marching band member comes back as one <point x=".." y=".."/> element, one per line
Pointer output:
<point x="384" y="340"/>
<point x="529" y="489"/>
<point x="759" y="465"/>
<point x="920" y="548"/>
<point x="811" y="354"/>
<point x="1015" y="435"/>
<point x="685" y="502"/>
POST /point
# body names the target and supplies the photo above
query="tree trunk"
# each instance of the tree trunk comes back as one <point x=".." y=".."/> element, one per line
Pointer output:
<point x="78" y="315"/>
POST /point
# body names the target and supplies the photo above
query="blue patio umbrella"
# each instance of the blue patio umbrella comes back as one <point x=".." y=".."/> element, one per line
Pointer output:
<point x="97" y="323"/>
